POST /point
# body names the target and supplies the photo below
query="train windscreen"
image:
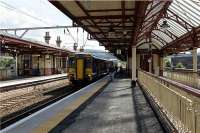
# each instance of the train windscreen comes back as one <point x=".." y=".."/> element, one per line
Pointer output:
<point x="71" y="62"/>
<point x="88" y="62"/>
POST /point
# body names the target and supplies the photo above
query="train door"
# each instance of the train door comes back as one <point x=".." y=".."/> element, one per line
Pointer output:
<point x="80" y="69"/>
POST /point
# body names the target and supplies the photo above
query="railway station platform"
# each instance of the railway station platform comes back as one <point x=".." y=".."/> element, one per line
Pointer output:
<point x="15" y="82"/>
<point x="117" y="109"/>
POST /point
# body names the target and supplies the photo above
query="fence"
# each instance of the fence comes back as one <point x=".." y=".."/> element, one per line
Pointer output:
<point x="184" y="76"/>
<point x="180" y="103"/>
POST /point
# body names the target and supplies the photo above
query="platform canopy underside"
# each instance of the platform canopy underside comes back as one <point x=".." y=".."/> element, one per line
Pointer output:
<point x="121" y="24"/>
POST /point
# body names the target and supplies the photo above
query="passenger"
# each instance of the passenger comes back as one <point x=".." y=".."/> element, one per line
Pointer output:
<point x="110" y="73"/>
<point x="116" y="68"/>
<point x="121" y="69"/>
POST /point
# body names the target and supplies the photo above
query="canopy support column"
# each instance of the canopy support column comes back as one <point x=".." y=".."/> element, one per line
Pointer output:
<point x="194" y="59"/>
<point x="138" y="61"/>
<point x="150" y="64"/>
<point x="161" y="65"/>
<point x="156" y="64"/>
<point x="16" y="65"/>
<point x="134" y="66"/>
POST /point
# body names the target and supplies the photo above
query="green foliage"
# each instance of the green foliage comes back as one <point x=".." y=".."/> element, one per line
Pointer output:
<point x="6" y="62"/>
<point x="168" y="64"/>
<point x="180" y="65"/>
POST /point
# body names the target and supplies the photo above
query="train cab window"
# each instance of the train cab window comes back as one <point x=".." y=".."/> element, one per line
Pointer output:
<point x="71" y="62"/>
<point x="88" y="62"/>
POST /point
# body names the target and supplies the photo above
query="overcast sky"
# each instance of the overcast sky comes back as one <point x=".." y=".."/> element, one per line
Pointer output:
<point x="32" y="13"/>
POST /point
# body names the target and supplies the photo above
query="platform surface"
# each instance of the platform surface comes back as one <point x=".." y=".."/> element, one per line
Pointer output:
<point x="118" y="109"/>
<point x="29" y="80"/>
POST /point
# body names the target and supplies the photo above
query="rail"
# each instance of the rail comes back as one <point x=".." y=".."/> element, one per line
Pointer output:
<point x="31" y="82"/>
<point x="184" y="76"/>
<point x="47" y="118"/>
<point x="179" y="103"/>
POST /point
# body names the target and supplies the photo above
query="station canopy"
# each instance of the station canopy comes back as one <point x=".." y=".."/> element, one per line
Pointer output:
<point x="169" y="25"/>
<point x="13" y="44"/>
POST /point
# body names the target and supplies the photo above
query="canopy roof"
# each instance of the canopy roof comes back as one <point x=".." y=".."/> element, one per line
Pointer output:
<point x="138" y="22"/>
<point x="13" y="44"/>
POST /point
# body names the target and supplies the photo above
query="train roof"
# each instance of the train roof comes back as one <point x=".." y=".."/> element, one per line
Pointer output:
<point x="183" y="55"/>
<point x="99" y="55"/>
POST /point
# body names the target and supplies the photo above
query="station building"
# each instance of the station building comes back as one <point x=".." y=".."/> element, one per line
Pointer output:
<point x="27" y="58"/>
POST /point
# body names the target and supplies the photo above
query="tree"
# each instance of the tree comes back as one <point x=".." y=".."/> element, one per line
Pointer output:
<point x="6" y="62"/>
<point x="168" y="64"/>
<point x="180" y="65"/>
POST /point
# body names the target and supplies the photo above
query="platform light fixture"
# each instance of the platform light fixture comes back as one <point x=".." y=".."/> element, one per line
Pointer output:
<point x="111" y="33"/>
<point x="2" y="41"/>
<point x="165" y="25"/>
<point x="118" y="51"/>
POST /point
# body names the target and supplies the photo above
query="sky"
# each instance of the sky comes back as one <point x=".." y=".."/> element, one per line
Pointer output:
<point x="33" y="13"/>
<point x="38" y="13"/>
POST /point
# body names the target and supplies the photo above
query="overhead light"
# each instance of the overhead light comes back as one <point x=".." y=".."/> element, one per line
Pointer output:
<point x="150" y="46"/>
<point x="165" y="25"/>
<point x="124" y="32"/>
<point x="2" y="41"/>
<point x="118" y="51"/>
<point x="111" y="33"/>
<point x="149" y="60"/>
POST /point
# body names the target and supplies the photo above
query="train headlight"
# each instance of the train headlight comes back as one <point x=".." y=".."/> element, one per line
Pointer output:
<point x="90" y="76"/>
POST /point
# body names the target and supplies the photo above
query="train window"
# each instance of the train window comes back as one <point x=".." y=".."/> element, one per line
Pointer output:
<point x="88" y="62"/>
<point x="71" y="62"/>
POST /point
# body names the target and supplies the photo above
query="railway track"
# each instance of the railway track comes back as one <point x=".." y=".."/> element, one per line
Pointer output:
<point x="17" y="98"/>
<point x="47" y="97"/>
<point x="33" y="99"/>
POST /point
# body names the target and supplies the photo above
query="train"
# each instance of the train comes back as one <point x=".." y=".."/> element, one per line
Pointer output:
<point x="185" y="59"/>
<point x="87" y="67"/>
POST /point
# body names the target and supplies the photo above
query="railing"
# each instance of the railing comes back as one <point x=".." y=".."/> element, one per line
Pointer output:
<point x="180" y="103"/>
<point x="184" y="76"/>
